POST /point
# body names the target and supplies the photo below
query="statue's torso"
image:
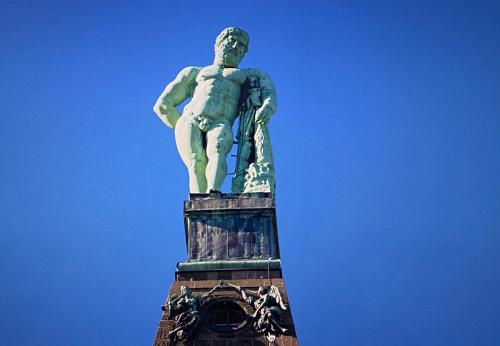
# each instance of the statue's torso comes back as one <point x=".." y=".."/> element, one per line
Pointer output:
<point x="191" y="303"/>
<point x="217" y="93"/>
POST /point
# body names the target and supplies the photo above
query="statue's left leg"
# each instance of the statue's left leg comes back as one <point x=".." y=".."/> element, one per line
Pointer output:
<point x="219" y="143"/>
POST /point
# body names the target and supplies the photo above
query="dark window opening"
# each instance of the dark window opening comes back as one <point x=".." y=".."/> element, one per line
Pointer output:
<point x="225" y="316"/>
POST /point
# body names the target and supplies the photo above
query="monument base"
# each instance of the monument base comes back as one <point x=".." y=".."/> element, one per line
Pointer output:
<point x="230" y="291"/>
<point x="225" y="317"/>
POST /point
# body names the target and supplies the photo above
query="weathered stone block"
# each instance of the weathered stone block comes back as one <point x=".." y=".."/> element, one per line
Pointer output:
<point x="221" y="227"/>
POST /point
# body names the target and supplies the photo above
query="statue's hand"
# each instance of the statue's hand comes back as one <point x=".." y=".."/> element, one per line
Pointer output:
<point x="262" y="115"/>
<point x="169" y="115"/>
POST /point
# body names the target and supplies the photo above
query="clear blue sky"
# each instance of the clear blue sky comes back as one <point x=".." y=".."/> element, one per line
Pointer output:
<point x="387" y="146"/>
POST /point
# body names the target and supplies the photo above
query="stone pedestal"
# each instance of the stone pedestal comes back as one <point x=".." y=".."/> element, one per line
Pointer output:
<point x="231" y="227"/>
<point x="232" y="237"/>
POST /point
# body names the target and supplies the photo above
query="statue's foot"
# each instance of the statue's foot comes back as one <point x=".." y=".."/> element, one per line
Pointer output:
<point x="214" y="191"/>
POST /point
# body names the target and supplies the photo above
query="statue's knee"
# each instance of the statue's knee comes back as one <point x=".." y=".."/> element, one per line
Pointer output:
<point x="223" y="145"/>
<point x="220" y="147"/>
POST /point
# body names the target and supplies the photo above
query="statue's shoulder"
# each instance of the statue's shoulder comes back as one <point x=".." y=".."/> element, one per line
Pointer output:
<point x="187" y="76"/>
<point x="264" y="80"/>
<point x="252" y="71"/>
<point x="190" y="71"/>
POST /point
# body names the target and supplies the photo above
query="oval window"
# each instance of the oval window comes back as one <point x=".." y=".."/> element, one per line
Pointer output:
<point x="225" y="316"/>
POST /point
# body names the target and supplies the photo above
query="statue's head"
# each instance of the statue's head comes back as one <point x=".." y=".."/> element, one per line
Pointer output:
<point x="263" y="290"/>
<point x="230" y="47"/>
<point x="185" y="290"/>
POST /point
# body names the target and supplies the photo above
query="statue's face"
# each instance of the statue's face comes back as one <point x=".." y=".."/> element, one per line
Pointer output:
<point x="230" y="51"/>
<point x="253" y="81"/>
<point x="185" y="290"/>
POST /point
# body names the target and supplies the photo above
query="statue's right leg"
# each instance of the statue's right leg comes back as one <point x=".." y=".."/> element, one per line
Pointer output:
<point x="188" y="138"/>
<point x="219" y="143"/>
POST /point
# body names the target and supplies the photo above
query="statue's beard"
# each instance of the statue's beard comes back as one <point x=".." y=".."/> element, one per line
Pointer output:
<point x="227" y="58"/>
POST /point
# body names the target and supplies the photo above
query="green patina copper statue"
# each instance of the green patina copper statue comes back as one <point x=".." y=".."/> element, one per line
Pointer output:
<point x="219" y="94"/>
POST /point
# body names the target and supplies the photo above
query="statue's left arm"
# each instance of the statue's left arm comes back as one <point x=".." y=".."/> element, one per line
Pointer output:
<point x="268" y="94"/>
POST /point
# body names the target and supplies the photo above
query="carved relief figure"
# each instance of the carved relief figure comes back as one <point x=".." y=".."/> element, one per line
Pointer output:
<point x="185" y="309"/>
<point x="269" y="308"/>
<point x="203" y="133"/>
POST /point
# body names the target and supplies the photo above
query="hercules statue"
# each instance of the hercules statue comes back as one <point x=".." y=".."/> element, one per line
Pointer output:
<point x="203" y="133"/>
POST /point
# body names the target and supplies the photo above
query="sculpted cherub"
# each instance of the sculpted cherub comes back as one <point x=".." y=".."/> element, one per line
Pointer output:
<point x="203" y="133"/>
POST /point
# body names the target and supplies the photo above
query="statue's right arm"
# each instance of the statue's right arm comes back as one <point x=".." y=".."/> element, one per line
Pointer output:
<point x="172" y="302"/>
<point x="174" y="94"/>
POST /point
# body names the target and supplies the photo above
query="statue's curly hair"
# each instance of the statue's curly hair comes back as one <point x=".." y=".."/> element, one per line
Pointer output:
<point x="236" y="31"/>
